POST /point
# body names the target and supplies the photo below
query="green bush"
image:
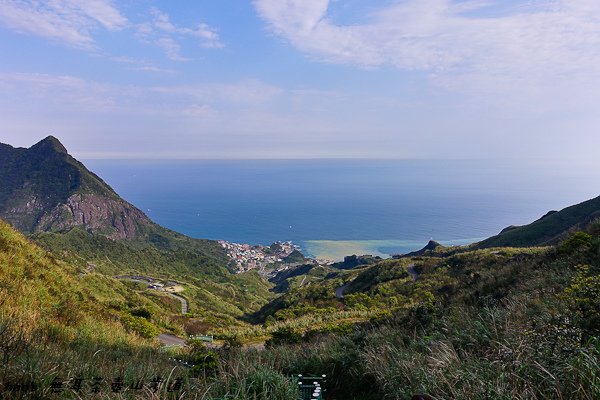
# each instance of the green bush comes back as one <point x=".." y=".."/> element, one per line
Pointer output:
<point x="143" y="312"/>
<point x="578" y="242"/>
<point x="205" y="361"/>
<point x="139" y="325"/>
<point x="340" y="329"/>
<point x="582" y="298"/>
<point x="285" y="335"/>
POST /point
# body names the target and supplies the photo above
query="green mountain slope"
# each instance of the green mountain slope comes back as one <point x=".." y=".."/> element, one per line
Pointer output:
<point x="46" y="295"/>
<point x="68" y="336"/>
<point x="209" y="285"/>
<point x="44" y="189"/>
<point x="549" y="229"/>
<point x="73" y="214"/>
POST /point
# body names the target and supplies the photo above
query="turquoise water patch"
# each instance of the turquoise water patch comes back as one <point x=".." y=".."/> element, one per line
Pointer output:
<point x="336" y="250"/>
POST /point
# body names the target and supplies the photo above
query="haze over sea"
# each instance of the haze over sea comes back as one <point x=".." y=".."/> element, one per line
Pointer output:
<point x="333" y="208"/>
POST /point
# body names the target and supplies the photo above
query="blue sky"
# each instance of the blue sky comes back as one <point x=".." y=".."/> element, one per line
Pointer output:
<point x="303" y="78"/>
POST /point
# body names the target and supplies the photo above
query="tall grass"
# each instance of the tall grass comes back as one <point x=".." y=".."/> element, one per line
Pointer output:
<point x="303" y="323"/>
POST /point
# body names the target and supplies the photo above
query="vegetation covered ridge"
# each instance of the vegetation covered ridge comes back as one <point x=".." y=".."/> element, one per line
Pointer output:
<point x="44" y="189"/>
<point x="550" y="229"/>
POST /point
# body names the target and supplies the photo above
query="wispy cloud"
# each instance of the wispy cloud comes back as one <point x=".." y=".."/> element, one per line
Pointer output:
<point x="71" y="91"/>
<point x="165" y="34"/>
<point x="248" y="92"/>
<point x="155" y="69"/>
<point x="171" y="48"/>
<point x="545" y="38"/>
<point x="74" y="22"/>
<point x="67" y="21"/>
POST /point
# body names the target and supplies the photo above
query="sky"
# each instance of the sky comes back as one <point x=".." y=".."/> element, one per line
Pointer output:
<point x="303" y="78"/>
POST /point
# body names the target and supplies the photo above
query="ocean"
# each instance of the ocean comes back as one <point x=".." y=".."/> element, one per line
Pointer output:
<point x="333" y="208"/>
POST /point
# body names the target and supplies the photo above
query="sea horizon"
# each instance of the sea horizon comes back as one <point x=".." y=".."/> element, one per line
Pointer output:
<point x="337" y="207"/>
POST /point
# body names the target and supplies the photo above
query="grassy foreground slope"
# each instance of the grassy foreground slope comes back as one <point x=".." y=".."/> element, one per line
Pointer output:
<point x="53" y="327"/>
<point x="492" y="323"/>
<point x="501" y="323"/>
<point x="60" y="338"/>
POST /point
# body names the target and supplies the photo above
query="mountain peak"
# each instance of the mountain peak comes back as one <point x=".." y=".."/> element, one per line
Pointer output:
<point x="431" y="245"/>
<point x="49" y="143"/>
<point x="45" y="189"/>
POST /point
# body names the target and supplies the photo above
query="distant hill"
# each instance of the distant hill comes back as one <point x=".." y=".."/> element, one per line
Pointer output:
<point x="432" y="245"/>
<point x="548" y="230"/>
<point x="354" y="261"/>
<point x="44" y="189"/>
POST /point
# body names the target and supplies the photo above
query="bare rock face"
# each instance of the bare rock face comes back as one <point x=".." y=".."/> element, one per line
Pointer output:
<point x="115" y="219"/>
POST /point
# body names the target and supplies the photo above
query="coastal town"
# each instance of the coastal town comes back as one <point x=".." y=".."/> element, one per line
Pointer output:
<point x="245" y="257"/>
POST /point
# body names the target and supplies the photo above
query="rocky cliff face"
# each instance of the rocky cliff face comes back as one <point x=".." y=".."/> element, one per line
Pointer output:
<point x="44" y="189"/>
<point x="112" y="218"/>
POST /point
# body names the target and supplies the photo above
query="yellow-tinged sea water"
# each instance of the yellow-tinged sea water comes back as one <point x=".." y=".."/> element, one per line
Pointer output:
<point x="336" y="250"/>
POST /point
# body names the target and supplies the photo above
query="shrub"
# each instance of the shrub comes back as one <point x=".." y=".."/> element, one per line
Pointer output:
<point x="143" y="312"/>
<point x="205" y="361"/>
<point x="578" y="242"/>
<point x="340" y="329"/>
<point x="233" y="341"/>
<point x="582" y="298"/>
<point x="285" y="335"/>
<point x="381" y="316"/>
<point x="139" y="325"/>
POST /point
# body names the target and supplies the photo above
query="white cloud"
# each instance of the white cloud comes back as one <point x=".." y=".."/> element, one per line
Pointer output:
<point x="293" y="18"/>
<point x="63" y="91"/>
<point x="100" y="10"/>
<point x="67" y="21"/>
<point x="171" y="48"/>
<point x="547" y="38"/>
<point x="73" y="22"/>
<point x="196" y="110"/>
<point x="163" y="33"/>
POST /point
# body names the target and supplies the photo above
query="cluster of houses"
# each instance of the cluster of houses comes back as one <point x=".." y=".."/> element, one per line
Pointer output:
<point x="247" y="257"/>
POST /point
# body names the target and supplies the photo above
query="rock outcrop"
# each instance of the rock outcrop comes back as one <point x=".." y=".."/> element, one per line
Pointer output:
<point x="111" y="218"/>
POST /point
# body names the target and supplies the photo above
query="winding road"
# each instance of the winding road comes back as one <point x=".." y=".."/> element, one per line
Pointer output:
<point x="171" y="340"/>
<point x="302" y="283"/>
<point x="184" y="305"/>
<point x="182" y="300"/>
<point x="339" y="293"/>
